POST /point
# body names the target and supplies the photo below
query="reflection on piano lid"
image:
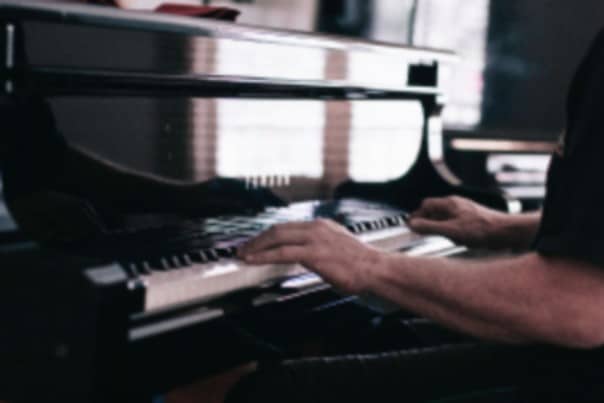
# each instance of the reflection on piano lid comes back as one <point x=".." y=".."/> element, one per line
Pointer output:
<point x="301" y="148"/>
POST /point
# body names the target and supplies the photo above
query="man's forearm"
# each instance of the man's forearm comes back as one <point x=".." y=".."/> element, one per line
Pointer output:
<point x="523" y="299"/>
<point x="517" y="231"/>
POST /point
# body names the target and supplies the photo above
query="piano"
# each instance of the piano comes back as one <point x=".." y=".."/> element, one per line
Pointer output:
<point x="331" y="127"/>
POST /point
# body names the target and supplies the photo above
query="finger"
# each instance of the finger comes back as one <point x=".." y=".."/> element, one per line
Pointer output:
<point x="283" y="254"/>
<point x="426" y="226"/>
<point x="284" y="234"/>
<point x="433" y="207"/>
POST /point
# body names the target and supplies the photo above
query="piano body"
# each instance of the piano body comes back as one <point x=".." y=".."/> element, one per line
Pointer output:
<point x="339" y="128"/>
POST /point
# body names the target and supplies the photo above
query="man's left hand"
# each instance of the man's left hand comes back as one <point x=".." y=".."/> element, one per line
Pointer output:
<point x="321" y="246"/>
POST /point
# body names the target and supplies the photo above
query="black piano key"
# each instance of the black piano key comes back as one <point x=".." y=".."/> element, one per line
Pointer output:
<point x="213" y="255"/>
<point x="355" y="228"/>
<point x="195" y="257"/>
<point x="227" y="252"/>
<point x="222" y="252"/>
<point x="131" y="269"/>
<point x="145" y="267"/>
<point x="153" y="264"/>
<point x="184" y="259"/>
<point x="208" y="255"/>
<point x="203" y="257"/>
<point x="176" y="262"/>
<point x="393" y="221"/>
<point x="164" y="264"/>
<point x="187" y="260"/>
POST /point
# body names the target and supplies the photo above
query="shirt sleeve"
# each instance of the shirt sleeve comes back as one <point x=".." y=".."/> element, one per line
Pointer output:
<point x="573" y="214"/>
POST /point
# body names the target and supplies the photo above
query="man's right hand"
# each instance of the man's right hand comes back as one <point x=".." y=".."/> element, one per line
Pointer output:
<point x="461" y="220"/>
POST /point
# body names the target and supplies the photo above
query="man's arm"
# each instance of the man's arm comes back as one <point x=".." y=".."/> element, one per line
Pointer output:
<point x="474" y="225"/>
<point x="524" y="299"/>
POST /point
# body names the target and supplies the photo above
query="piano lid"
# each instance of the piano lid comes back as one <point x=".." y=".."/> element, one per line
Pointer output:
<point x="186" y="50"/>
<point x="67" y="13"/>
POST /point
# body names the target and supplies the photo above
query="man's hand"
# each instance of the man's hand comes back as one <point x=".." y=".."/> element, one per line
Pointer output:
<point x="461" y="220"/>
<point x="321" y="246"/>
<point x="474" y="225"/>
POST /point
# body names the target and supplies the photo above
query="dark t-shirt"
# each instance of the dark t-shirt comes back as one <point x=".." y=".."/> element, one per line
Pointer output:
<point x="572" y="224"/>
<point x="573" y="214"/>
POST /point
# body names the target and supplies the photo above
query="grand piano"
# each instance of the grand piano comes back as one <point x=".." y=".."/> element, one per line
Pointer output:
<point x="330" y="127"/>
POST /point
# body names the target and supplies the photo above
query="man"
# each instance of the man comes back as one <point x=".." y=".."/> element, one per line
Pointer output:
<point x="543" y="308"/>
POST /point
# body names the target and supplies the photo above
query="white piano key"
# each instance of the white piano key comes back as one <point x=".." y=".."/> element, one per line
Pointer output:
<point x="206" y="281"/>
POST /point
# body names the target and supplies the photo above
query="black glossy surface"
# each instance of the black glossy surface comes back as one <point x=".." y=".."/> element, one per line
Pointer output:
<point x="161" y="246"/>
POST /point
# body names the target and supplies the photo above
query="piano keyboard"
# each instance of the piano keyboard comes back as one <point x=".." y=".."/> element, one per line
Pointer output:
<point x="198" y="261"/>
